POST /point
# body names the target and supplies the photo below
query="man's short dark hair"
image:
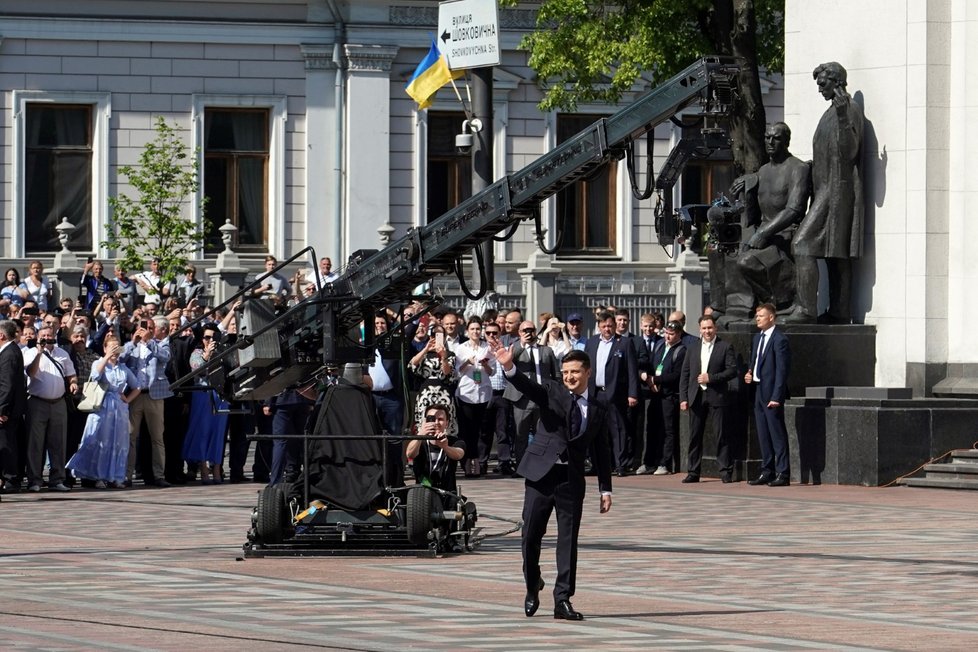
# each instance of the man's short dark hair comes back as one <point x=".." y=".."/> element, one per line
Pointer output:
<point x="770" y="308"/>
<point x="707" y="318"/>
<point x="622" y="312"/>
<point x="604" y="315"/>
<point x="577" y="355"/>
<point x="438" y="407"/>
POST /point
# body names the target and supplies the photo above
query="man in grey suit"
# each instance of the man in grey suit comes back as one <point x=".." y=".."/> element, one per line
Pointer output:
<point x="539" y="364"/>
<point x="709" y="365"/>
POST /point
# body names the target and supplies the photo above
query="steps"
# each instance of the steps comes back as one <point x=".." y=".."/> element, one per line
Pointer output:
<point x="960" y="473"/>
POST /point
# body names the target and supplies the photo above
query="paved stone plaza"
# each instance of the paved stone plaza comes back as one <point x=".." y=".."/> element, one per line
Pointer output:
<point x="672" y="567"/>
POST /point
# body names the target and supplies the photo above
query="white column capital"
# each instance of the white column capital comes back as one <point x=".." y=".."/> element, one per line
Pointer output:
<point x="370" y="58"/>
<point x="317" y="56"/>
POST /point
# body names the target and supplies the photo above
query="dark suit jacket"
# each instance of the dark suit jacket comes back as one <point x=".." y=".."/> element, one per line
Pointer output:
<point x="774" y="368"/>
<point x="549" y="370"/>
<point x="553" y="436"/>
<point x="672" y="368"/>
<point x="13" y="383"/>
<point x="620" y="372"/>
<point x="722" y="367"/>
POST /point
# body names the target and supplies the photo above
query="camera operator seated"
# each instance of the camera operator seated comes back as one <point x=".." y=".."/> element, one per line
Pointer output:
<point x="435" y="459"/>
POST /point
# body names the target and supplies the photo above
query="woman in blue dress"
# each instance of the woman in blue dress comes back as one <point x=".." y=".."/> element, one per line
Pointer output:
<point x="104" y="448"/>
<point x="204" y="443"/>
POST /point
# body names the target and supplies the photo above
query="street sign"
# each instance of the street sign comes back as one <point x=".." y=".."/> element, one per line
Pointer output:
<point x="468" y="33"/>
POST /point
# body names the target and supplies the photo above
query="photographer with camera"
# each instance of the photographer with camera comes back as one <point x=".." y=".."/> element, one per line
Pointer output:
<point x="435" y="459"/>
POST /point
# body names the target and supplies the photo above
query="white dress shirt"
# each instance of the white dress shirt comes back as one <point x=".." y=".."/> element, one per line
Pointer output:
<point x="706" y="350"/>
<point x="604" y="352"/>
<point x="48" y="383"/>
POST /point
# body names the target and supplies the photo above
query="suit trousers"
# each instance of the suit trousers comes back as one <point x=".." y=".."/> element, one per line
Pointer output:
<point x="176" y="417"/>
<point x="772" y="435"/>
<point x="150" y="409"/>
<point x="662" y="432"/>
<point x="496" y="425"/>
<point x="47" y="432"/>
<point x="10" y="453"/>
<point x="552" y="491"/>
<point x="621" y="444"/>
<point x="698" y="413"/>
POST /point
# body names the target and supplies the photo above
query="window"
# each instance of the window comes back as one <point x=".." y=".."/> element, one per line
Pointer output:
<point x="57" y="175"/>
<point x="236" y="160"/>
<point x="449" y="173"/>
<point x="586" y="209"/>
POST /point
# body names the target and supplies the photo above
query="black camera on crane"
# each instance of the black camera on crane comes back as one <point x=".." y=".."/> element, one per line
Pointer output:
<point x="705" y="227"/>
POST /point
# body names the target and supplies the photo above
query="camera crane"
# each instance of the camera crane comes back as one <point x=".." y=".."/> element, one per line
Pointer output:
<point x="273" y="351"/>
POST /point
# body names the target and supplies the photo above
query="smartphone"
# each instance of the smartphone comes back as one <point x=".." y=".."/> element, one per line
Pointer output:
<point x="90" y="259"/>
<point x="440" y="339"/>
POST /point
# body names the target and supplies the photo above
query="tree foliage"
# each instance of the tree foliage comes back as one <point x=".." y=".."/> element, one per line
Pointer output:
<point x="153" y="225"/>
<point x="596" y="51"/>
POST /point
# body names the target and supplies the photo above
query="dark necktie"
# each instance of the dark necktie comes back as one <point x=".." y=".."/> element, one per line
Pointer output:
<point x="575" y="418"/>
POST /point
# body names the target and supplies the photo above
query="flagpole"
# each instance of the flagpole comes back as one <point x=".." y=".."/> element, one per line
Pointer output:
<point x="482" y="151"/>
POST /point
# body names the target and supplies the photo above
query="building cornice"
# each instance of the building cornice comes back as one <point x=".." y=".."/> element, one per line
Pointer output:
<point x="370" y="58"/>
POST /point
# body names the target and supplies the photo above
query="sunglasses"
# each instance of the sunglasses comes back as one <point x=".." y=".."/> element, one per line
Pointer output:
<point x="207" y="337"/>
<point x="492" y="333"/>
<point x="529" y="330"/>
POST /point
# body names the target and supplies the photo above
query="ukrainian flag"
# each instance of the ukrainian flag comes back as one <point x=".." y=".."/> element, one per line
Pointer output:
<point x="430" y="75"/>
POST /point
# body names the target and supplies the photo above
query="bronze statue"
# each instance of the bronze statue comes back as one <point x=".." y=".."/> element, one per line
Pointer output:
<point x="833" y="227"/>
<point x="775" y="199"/>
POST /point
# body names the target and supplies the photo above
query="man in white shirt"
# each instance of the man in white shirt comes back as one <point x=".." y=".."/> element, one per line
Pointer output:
<point x="49" y="372"/>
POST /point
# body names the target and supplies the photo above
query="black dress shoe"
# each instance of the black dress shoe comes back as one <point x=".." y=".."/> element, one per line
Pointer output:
<point x="764" y="478"/>
<point x="563" y="610"/>
<point x="532" y="601"/>
<point x="726" y="477"/>
<point x="780" y="480"/>
<point x="691" y="478"/>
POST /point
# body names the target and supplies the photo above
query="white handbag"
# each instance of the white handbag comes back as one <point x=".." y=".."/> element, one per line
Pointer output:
<point x="93" y="397"/>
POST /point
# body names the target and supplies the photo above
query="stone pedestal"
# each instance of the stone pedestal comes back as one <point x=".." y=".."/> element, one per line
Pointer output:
<point x="687" y="277"/>
<point x="540" y="283"/>
<point x="821" y="356"/>
<point x="851" y="436"/>
<point x="226" y="277"/>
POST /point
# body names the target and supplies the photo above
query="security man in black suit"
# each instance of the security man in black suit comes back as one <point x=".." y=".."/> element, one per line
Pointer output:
<point x="770" y="363"/>
<point x="662" y="420"/>
<point x="709" y="365"/>
<point x="571" y="423"/>
<point x="13" y="398"/>
<point x="614" y="383"/>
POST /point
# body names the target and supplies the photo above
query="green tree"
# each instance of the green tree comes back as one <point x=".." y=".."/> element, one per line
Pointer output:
<point x="153" y="225"/>
<point x="595" y="51"/>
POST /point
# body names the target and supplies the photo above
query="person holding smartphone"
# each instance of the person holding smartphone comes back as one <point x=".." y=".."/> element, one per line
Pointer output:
<point x="475" y="365"/>
<point x="435" y="365"/>
<point x="435" y="458"/>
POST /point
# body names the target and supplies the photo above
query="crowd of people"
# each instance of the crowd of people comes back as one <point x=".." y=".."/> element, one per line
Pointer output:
<point x="131" y="336"/>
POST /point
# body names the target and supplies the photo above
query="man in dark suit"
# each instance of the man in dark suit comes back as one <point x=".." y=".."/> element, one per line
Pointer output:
<point x="709" y="365"/>
<point x="571" y="423"/>
<point x="614" y="383"/>
<point x="662" y="420"/>
<point x="533" y="361"/>
<point x="770" y="363"/>
<point x="13" y="399"/>
<point x="634" y="416"/>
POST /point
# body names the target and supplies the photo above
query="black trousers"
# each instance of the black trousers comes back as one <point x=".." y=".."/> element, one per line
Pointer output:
<point x="662" y="432"/>
<point x="698" y="414"/>
<point x="554" y="491"/>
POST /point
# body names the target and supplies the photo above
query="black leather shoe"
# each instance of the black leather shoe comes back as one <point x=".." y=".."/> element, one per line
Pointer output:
<point x="726" y="477"/>
<point x="780" y="480"/>
<point x="691" y="478"/>
<point x="532" y="601"/>
<point x="764" y="478"/>
<point x="563" y="610"/>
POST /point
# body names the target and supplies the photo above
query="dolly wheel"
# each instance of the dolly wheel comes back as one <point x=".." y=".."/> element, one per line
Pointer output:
<point x="420" y="504"/>
<point x="272" y="514"/>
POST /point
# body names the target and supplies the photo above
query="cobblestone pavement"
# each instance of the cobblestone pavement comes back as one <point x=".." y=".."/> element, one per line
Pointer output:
<point x="671" y="567"/>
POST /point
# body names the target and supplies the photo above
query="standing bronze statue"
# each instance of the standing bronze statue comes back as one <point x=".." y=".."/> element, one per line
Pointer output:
<point x="833" y="227"/>
<point x="775" y="199"/>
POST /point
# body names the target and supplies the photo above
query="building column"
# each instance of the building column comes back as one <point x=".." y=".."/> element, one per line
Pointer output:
<point x="539" y="284"/>
<point x="323" y="174"/>
<point x="368" y="154"/>
<point x="687" y="284"/>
